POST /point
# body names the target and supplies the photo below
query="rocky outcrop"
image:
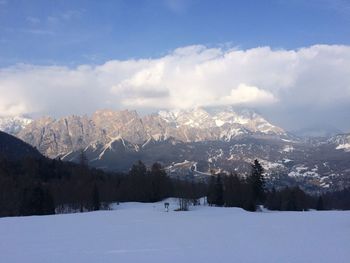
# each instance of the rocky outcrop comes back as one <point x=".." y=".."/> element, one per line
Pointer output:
<point x="58" y="137"/>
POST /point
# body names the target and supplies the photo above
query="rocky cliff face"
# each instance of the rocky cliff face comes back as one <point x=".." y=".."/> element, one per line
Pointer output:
<point x="59" y="137"/>
<point x="126" y="124"/>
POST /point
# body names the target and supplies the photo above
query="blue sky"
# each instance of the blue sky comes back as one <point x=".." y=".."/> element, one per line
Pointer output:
<point x="79" y="32"/>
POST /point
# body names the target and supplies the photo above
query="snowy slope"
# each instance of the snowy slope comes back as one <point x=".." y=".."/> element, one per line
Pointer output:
<point x="144" y="233"/>
<point x="13" y="125"/>
<point x="342" y="142"/>
<point x="220" y="116"/>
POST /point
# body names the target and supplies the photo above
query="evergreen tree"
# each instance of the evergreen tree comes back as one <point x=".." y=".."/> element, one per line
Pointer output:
<point x="96" y="199"/>
<point x="83" y="161"/>
<point x="319" y="205"/>
<point x="138" y="169"/>
<point x="257" y="182"/>
<point x="232" y="191"/>
<point x="248" y="198"/>
<point x="215" y="194"/>
<point x="194" y="194"/>
<point x="211" y="196"/>
<point x="138" y="185"/>
<point x="36" y="201"/>
<point x="273" y="201"/>
<point x="219" y="191"/>
<point x="82" y="182"/>
<point x="158" y="182"/>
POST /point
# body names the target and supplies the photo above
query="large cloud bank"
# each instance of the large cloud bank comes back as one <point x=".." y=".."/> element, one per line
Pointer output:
<point x="317" y="77"/>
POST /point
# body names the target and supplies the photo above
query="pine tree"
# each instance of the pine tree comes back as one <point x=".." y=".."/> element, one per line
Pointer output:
<point x="211" y="196"/>
<point x="158" y="182"/>
<point x="138" y="183"/>
<point x="95" y="199"/>
<point x="257" y="182"/>
<point x="232" y="191"/>
<point x="36" y="201"/>
<point x="138" y="169"/>
<point x="83" y="161"/>
<point x="219" y="191"/>
<point x="320" y="205"/>
<point x="273" y="200"/>
<point x="82" y="181"/>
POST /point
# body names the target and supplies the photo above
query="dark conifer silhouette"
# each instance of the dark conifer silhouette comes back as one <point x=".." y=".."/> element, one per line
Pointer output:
<point x="96" y="198"/>
<point x="257" y="182"/>
<point x="320" y="205"/>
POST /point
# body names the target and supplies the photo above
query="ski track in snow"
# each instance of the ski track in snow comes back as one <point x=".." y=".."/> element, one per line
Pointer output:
<point x="145" y="233"/>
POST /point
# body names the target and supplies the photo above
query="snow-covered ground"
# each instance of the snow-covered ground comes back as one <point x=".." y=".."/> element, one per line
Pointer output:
<point x="145" y="233"/>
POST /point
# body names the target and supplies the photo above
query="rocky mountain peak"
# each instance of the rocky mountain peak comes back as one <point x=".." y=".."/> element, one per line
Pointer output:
<point x="227" y="117"/>
<point x="57" y="137"/>
<point x="13" y="125"/>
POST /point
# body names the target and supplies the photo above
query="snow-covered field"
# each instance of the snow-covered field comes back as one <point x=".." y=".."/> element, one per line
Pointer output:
<point x="145" y="233"/>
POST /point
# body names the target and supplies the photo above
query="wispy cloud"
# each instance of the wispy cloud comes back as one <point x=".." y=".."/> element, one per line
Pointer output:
<point x="33" y="20"/>
<point x="71" y="14"/>
<point x="29" y="30"/>
<point x="48" y="26"/>
<point x="178" y="6"/>
<point x="340" y="6"/>
<point x="38" y="31"/>
<point x="65" y="16"/>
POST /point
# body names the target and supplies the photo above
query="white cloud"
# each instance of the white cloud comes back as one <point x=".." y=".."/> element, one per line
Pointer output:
<point x="187" y="77"/>
<point x="245" y="94"/>
<point x="7" y="109"/>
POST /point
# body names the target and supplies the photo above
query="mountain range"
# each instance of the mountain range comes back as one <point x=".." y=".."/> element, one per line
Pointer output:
<point x="191" y="143"/>
<point x="57" y="137"/>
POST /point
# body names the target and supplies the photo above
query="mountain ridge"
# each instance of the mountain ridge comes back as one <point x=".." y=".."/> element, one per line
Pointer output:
<point x="55" y="137"/>
<point x="14" y="149"/>
<point x="193" y="144"/>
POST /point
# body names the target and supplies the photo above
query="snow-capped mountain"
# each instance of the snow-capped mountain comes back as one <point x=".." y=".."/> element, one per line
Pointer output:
<point x="221" y="117"/>
<point x="200" y="124"/>
<point x="13" y="125"/>
<point x="59" y="137"/>
<point x="193" y="143"/>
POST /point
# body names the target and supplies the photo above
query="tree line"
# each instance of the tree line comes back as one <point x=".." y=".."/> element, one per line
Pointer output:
<point x="235" y="191"/>
<point x="42" y="186"/>
<point x="249" y="192"/>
